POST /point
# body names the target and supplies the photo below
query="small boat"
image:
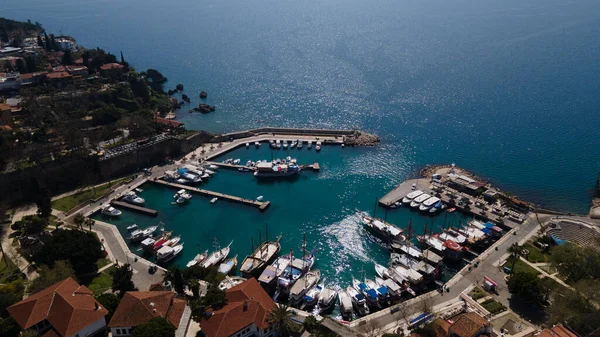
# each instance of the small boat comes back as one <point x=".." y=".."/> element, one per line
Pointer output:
<point x="259" y="198"/>
<point x="428" y="204"/>
<point x="309" y="146"/>
<point x="132" y="227"/>
<point x="278" y="144"/>
<point x="285" y="144"/>
<point x="416" y="203"/>
<point x="371" y="294"/>
<point x="345" y="304"/>
<point x="312" y="297"/>
<point x="327" y="299"/>
<point x="198" y="259"/>
<point x="384" y="230"/>
<point x="302" y="285"/>
<point x="217" y="256"/>
<point x="411" y="196"/>
<point x="299" y="144"/>
<point x="174" y="252"/>
<point x="228" y="266"/>
<point x="293" y="145"/>
<point x="382" y="271"/>
<point x="451" y="209"/>
<point x="237" y="161"/>
<point x="148" y="244"/>
<point x="183" y="194"/>
<point x="212" y="167"/>
<point x="230" y="282"/>
<point x="247" y="145"/>
<point x="136" y="235"/>
<point x="213" y="200"/>
<point x="180" y="200"/>
<point x="181" y="181"/>
<point x="358" y="301"/>
<point x="257" y="144"/>
<point x="173" y="241"/>
<point x="318" y="147"/>
<point x="111" y="211"/>
<point x="132" y="198"/>
<point x="138" y="190"/>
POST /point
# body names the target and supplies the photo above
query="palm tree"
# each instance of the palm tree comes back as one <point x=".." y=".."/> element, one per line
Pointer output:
<point x="281" y="318"/>
<point x="79" y="220"/>
<point x="515" y="252"/>
<point x="89" y="222"/>
<point x="310" y="323"/>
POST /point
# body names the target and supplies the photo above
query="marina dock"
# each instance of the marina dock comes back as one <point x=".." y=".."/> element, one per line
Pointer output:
<point x="139" y="209"/>
<point x="229" y="166"/>
<point x="402" y="190"/>
<point x="261" y="205"/>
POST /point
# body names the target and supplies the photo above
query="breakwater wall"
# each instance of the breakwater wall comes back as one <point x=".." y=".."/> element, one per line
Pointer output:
<point x="282" y="131"/>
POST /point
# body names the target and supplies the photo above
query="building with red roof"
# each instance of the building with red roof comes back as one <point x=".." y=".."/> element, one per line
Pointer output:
<point x="246" y="313"/>
<point x="139" y="307"/>
<point x="168" y="122"/>
<point x="558" y="330"/>
<point x="63" y="309"/>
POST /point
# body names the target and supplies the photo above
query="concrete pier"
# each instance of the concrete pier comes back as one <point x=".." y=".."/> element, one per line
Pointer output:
<point x="229" y="166"/>
<point x="261" y="205"/>
<point x="139" y="209"/>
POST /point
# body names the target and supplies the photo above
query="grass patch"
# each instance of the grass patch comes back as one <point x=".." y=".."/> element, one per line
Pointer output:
<point x="493" y="306"/>
<point x="477" y="293"/>
<point x="102" y="262"/>
<point x="8" y="271"/>
<point x="536" y="255"/>
<point x="522" y="267"/>
<point x="100" y="282"/>
<point x="69" y="202"/>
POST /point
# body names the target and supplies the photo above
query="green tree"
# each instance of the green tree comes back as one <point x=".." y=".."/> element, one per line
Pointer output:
<point x="10" y="294"/>
<point x="79" y="220"/>
<point x="578" y="312"/>
<point x="122" y="282"/>
<point x="48" y="44"/>
<point x="194" y="285"/>
<point x="67" y="58"/>
<point x="49" y="276"/>
<point x="31" y="224"/>
<point x="21" y="67"/>
<point x="311" y="324"/>
<point x="156" y="327"/>
<point x="214" y="298"/>
<point x="281" y="317"/>
<point x="82" y="249"/>
<point x="110" y="302"/>
<point x="178" y="283"/>
<point x="515" y="251"/>
<point x="9" y="327"/>
<point x="525" y="285"/>
<point x="198" y="309"/>
<point x="44" y="203"/>
<point x="89" y="222"/>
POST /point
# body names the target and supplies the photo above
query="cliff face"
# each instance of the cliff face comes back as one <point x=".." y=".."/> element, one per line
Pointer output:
<point x="595" y="209"/>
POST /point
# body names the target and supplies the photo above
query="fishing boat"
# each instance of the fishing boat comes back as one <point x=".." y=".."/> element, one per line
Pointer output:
<point x="173" y="241"/>
<point x="309" y="146"/>
<point x="111" y="211"/>
<point x="132" y="227"/>
<point x="318" y="146"/>
<point x="148" y="244"/>
<point x="411" y="196"/>
<point x="228" y="266"/>
<point x="312" y="297"/>
<point x="230" y="282"/>
<point x="132" y="198"/>
<point x="454" y="251"/>
<point x="213" y="200"/>
<point x="359" y="301"/>
<point x="416" y="203"/>
<point x="299" y="144"/>
<point x="408" y="274"/>
<point x="371" y="295"/>
<point x="271" y="170"/>
<point x="328" y="297"/>
<point x="255" y="263"/>
<point x="268" y="278"/>
<point x="393" y="287"/>
<point x="299" y="289"/>
<point x="427" y="204"/>
<point x="346" y="305"/>
<point x="171" y="254"/>
<point x="217" y="256"/>
<point x="385" y="231"/>
<point x="197" y="259"/>
<point x="382" y="271"/>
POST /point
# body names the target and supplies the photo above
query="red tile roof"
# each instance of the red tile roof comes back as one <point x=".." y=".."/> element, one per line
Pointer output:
<point x="58" y="74"/>
<point x="67" y="306"/>
<point x="234" y="317"/>
<point x="169" y="122"/>
<point x="468" y="324"/>
<point x="557" y="331"/>
<point x="139" y="307"/>
<point x="109" y="66"/>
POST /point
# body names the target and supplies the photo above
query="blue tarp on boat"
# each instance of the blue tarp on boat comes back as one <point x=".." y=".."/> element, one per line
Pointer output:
<point x="182" y="170"/>
<point x="359" y="297"/>
<point x="362" y="287"/>
<point x="489" y="225"/>
<point x="383" y="291"/>
<point x="486" y="230"/>
<point x="308" y="298"/>
<point x="372" y="293"/>
<point x="558" y="241"/>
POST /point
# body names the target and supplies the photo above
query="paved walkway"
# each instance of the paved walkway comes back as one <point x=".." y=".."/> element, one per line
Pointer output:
<point x="10" y="250"/>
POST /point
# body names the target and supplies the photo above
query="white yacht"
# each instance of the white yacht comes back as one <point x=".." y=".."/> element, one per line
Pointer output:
<point x="182" y="193"/>
<point x="111" y="211"/>
<point x="230" y="282"/>
<point x="213" y="200"/>
<point x="427" y="204"/>
<point x="236" y="161"/>
<point x="217" y="256"/>
<point x="318" y="147"/>
<point x="418" y="200"/>
<point x="133" y="198"/>
<point x="309" y="146"/>
<point x="293" y="145"/>
<point x="410" y="196"/>
<point x="247" y="145"/>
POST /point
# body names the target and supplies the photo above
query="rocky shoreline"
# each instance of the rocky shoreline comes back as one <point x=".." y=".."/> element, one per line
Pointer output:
<point x="362" y="139"/>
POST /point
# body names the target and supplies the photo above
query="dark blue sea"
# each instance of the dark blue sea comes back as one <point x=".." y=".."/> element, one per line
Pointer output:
<point x="507" y="89"/>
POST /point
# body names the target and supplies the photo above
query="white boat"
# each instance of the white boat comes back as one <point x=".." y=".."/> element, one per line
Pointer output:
<point x="138" y="190"/>
<point x="299" y="144"/>
<point x="393" y="287"/>
<point x="111" y="211"/>
<point x="132" y="198"/>
<point x="213" y="200"/>
<point x="302" y="285"/>
<point x="270" y="275"/>
<point x="173" y="241"/>
<point x="230" y="282"/>
<point x="175" y="251"/>
<point x="149" y="231"/>
<point x="183" y="194"/>
<point x="359" y="301"/>
<point x="180" y="200"/>
<point x="385" y="231"/>
<point x="192" y="178"/>
<point x="327" y="299"/>
<point x="247" y="145"/>
<point x="212" y="167"/>
<point x="293" y="145"/>
<point x="312" y="296"/>
<point x="217" y="256"/>
<point x="345" y="304"/>
<point x="278" y="144"/>
<point x="197" y="259"/>
<point x="285" y="144"/>
<point x="132" y="227"/>
<point x="427" y="204"/>
<point x="410" y="196"/>
<point x="259" y="198"/>
<point x="236" y="161"/>
<point x="148" y="244"/>
<point x="163" y="253"/>
<point x="309" y="146"/>
<point x="257" y="144"/>
<point x="182" y="181"/>
<point x="318" y="147"/>
<point x="228" y="266"/>
<point x="418" y="200"/>
<point x="382" y="271"/>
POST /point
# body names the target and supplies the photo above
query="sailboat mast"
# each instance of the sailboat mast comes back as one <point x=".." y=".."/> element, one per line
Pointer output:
<point x="266" y="231"/>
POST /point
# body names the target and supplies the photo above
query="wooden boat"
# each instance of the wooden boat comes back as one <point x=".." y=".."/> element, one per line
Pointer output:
<point x="228" y="266"/>
<point x="254" y="264"/>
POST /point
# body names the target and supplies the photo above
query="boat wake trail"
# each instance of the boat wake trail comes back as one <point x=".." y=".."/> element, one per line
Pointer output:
<point x="346" y="242"/>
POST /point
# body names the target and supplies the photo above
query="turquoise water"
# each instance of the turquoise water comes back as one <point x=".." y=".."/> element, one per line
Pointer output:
<point x="506" y="89"/>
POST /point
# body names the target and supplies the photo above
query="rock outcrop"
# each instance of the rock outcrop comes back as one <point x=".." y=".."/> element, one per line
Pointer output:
<point x="203" y="94"/>
<point x="361" y="139"/>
